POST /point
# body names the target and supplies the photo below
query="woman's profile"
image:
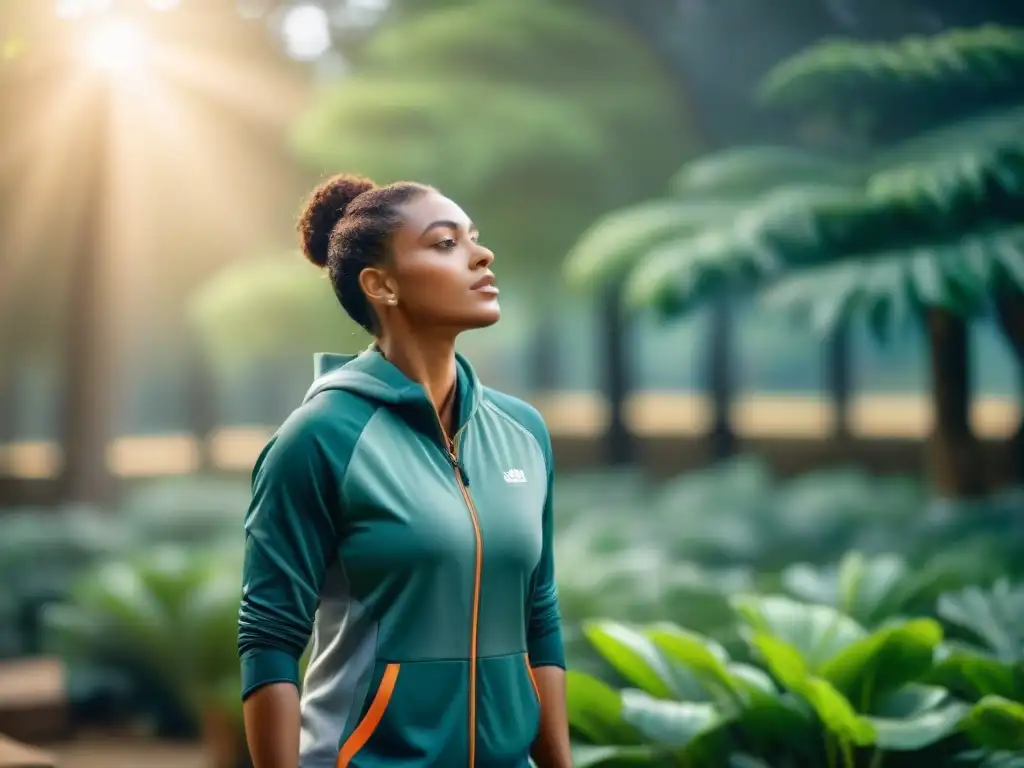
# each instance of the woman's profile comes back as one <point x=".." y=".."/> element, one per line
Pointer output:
<point x="401" y="517"/>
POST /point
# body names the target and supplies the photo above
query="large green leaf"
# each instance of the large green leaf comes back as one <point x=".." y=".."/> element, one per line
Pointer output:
<point x="995" y="616"/>
<point x="706" y="659"/>
<point x="977" y="674"/>
<point x="595" y="711"/>
<point x="590" y="756"/>
<point x="634" y="656"/>
<point x="866" y="589"/>
<point x="975" y="161"/>
<point x="884" y="661"/>
<point x="834" y="710"/>
<point x="672" y="724"/>
<point x="997" y="723"/>
<point x="818" y="633"/>
<point x="932" y="224"/>
<point x="169" y="612"/>
<point x="914" y="717"/>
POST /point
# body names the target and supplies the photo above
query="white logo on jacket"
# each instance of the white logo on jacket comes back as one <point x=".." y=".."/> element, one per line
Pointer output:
<point x="515" y="476"/>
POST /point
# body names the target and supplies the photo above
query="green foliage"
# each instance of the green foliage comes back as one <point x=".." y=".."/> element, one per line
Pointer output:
<point x="708" y="194"/>
<point x="699" y="660"/>
<point x="929" y="223"/>
<point x="814" y="685"/>
<point x="535" y="117"/>
<point x="45" y="553"/>
<point x="866" y="589"/>
<point x="264" y="308"/>
<point x="519" y="111"/>
<point x="164" y="616"/>
<point x="841" y="74"/>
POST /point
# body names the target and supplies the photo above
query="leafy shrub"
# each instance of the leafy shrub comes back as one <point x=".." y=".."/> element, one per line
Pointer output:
<point x="44" y="552"/>
<point x="166" y="620"/>
<point x="814" y="689"/>
<point x="638" y="552"/>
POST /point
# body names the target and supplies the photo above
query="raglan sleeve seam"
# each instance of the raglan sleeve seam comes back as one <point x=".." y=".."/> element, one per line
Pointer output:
<point x="289" y="540"/>
<point x="544" y="638"/>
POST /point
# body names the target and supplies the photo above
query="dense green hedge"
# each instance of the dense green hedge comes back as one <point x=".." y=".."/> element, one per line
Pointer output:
<point x="722" y="616"/>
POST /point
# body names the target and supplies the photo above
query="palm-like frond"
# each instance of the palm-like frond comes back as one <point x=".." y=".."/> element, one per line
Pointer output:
<point x="609" y="248"/>
<point x="709" y="193"/>
<point x="972" y="160"/>
<point x="963" y="198"/>
<point x="843" y="71"/>
<point x="743" y="251"/>
<point x="751" y="170"/>
<point x="888" y="286"/>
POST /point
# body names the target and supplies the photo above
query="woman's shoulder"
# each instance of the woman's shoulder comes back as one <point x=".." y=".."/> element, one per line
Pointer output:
<point x="521" y="412"/>
<point x="334" y="420"/>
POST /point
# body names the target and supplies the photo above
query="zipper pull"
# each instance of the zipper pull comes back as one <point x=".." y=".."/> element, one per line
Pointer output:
<point x="463" y="475"/>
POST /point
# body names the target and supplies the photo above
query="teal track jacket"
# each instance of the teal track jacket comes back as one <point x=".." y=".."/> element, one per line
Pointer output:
<point x="422" y="566"/>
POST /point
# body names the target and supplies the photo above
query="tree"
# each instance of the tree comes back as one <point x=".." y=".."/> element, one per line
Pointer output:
<point x="56" y="271"/>
<point x="931" y="231"/>
<point x="536" y="117"/>
<point x="639" y="244"/>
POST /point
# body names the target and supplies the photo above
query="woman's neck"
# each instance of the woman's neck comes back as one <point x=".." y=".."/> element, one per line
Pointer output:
<point x="431" y="362"/>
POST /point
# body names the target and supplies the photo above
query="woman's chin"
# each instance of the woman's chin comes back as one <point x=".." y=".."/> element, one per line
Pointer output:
<point x="485" y="317"/>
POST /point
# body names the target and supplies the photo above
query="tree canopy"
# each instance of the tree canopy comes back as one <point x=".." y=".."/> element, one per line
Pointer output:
<point x="535" y="117"/>
<point x="930" y="221"/>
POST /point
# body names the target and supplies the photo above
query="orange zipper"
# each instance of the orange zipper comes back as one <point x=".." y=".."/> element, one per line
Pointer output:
<point x="452" y="446"/>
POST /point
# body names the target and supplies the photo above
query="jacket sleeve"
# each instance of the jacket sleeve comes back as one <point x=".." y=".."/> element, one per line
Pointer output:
<point x="544" y="632"/>
<point x="289" y="541"/>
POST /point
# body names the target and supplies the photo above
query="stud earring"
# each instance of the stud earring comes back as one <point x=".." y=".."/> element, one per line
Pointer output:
<point x="392" y="300"/>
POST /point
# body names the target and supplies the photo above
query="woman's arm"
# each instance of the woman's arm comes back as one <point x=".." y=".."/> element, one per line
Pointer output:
<point x="547" y="655"/>
<point x="272" y="726"/>
<point x="289" y="541"/>
<point x="551" y="749"/>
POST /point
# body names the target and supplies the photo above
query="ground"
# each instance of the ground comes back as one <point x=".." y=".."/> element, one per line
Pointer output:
<point x="127" y="753"/>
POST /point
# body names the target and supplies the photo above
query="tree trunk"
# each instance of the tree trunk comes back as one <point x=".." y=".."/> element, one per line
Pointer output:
<point x="201" y="399"/>
<point x="837" y="378"/>
<point x="87" y="400"/>
<point x="720" y="384"/>
<point x="619" y="443"/>
<point x="1010" y="315"/>
<point x="8" y="397"/>
<point x="955" y="465"/>
<point x="544" y="353"/>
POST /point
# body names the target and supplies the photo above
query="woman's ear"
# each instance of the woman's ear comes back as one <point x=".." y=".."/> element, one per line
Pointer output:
<point x="378" y="287"/>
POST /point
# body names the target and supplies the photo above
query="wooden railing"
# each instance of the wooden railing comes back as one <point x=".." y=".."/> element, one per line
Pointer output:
<point x="569" y="415"/>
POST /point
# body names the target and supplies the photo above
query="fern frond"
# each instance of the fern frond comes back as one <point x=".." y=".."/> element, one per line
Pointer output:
<point x="759" y="243"/>
<point x="838" y="71"/>
<point x="743" y="172"/>
<point x="610" y="247"/>
<point x="889" y="286"/>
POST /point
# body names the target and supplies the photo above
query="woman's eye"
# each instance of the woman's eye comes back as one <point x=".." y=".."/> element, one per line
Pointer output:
<point x="447" y="244"/>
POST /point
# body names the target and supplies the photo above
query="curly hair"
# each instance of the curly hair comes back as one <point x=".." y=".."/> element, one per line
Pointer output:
<point x="344" y="228"/>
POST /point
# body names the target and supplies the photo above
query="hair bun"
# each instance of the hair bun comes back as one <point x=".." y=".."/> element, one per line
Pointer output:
<point x="326" y="206"/>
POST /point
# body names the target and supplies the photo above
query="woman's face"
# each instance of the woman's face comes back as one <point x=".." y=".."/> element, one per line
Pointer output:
<point x="438" y="273"/>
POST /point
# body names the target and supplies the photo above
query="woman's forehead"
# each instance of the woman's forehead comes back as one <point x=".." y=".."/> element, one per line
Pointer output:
<point x="433" y="209"/>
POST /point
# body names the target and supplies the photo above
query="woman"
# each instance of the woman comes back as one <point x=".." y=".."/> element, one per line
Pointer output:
<point x="402" y="515"/>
